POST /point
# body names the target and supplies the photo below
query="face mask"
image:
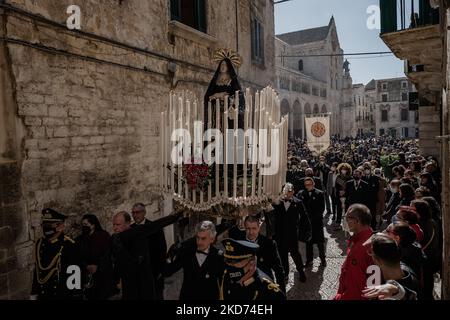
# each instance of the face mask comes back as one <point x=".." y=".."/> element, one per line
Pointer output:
<point x="344" y="172"/>
<point x="367" y="172"/>
<point x="394" y="190"/>
<point x="236" y="274"/>
<point x="394" y="219"/>
<point x="49" y="231"/>
<point x="86" y="230"/>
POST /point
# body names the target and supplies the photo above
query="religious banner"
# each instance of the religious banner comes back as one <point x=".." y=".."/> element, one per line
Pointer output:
<point x="318" y="132"/>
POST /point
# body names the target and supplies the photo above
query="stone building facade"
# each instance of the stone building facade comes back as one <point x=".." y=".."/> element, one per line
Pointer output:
<point x="392" y="114"/>
<point x="364" y="119"/>
<point x="79" y="110"/>
<point x="308" y="83"/>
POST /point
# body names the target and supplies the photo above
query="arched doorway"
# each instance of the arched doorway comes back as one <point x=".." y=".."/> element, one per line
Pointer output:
<point x="286" y="109"/>
<point x="308" y="108"/>
<point x="298" y="120"/>
<point x="316" y="109"/>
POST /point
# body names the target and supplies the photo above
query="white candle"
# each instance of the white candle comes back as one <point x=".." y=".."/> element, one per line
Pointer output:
<point x="172" y="127"/>
<point x="161" y="137"/>
<point x="246" y="114"/>
<point x="255" y="143"/>
<point x="164" y="147"/>
<point x="217" y="149"/>
<point x="209" y="127"/>
<point x="188" y="127"/>
<point x="180" y="166"/>
<point x="235" y="147"/>
<point x="225" y="149"/>
<point x="261" y="127"/>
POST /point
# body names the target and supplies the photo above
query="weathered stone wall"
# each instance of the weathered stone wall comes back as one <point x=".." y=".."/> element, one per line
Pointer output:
<point x="86" y="111"/>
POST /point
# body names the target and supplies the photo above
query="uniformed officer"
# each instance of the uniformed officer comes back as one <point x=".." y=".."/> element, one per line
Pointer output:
<point x="55" y="252"/>
<point x="268" y="258"/>
<point x="241" y="279"/>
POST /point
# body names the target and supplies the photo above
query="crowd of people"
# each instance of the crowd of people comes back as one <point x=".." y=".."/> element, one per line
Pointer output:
<point x="387" y="180"/>
<point x="380" y="190"/>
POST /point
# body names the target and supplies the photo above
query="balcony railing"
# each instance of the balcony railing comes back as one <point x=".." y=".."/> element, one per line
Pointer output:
<point x="398" y="15"/>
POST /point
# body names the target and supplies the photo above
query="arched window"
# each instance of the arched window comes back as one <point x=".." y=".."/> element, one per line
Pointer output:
<point x="316" y="109"/>
<point x="300" y="65"/>
<point x="324" y="109"/>
<point x="285" y="108"/>
<point x="308" y="108"/>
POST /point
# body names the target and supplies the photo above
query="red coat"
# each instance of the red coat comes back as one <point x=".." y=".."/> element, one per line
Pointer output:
<point x="354" y="270"/>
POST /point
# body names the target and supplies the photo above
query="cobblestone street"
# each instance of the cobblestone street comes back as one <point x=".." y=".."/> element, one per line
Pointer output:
<point x="321" y="283"/>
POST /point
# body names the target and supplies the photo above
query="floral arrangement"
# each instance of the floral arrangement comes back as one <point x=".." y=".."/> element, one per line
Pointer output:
<point x="197" y="175"/>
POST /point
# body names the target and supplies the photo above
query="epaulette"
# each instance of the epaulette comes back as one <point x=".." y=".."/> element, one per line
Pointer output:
<point x="67" y="238"/>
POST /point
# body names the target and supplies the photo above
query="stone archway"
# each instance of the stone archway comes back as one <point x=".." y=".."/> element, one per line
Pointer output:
<point x="297" y="120"/>
<point x="316" y="109"/>
<point x="286" y="109"/>
<point x="308" y="109"/>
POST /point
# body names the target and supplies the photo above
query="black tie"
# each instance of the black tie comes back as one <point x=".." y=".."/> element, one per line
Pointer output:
<point x="201" y="252"/>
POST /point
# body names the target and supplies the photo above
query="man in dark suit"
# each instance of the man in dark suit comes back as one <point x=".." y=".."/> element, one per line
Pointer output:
<point x="268" y="257"/>
<point x="314" y="202"/>
<point x="373" y="183"/>
<point x="202" y="265"/>
<point x="310" y="174"/>
<point x="356" y="190"/>
<point x="289" y="215"/>
<point x="157" y="247"/>
<point x="322" y="170"/>
<point x="132" y="265"/>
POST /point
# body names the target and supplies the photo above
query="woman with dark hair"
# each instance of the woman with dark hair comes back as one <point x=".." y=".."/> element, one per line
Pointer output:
<point x="409" y="215"/>
<point x="435" y="208"/>
<point x="426" y="180"/>
<point x="95" y="247"/>
<point x="398" y="171"/>
<point x="430" y="245"/>
<point x="422" y="192"/>
<point x="414" y="181"/>
<point x="411" y="251"/>
<point x="416" y="168"/>
<point x="407" y="194"/>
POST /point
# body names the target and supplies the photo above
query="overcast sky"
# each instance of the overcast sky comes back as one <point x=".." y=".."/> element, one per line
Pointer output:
<point x="354" y="35"/>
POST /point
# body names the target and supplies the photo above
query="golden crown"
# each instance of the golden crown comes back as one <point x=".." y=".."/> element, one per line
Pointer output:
<point x="234" y="57"/>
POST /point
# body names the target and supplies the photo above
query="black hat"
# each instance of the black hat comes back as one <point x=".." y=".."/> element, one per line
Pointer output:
<point x="239" y="250"/>
<point x="50" y="215"/>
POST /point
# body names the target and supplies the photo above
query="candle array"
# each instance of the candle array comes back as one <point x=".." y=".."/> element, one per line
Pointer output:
<point x="240" y="174"/>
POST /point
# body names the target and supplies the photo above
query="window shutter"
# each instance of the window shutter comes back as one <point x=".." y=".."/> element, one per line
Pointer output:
<point x="261" y="42"/>
<point x="175" y="10"/>
<point x="201" y="15"/>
